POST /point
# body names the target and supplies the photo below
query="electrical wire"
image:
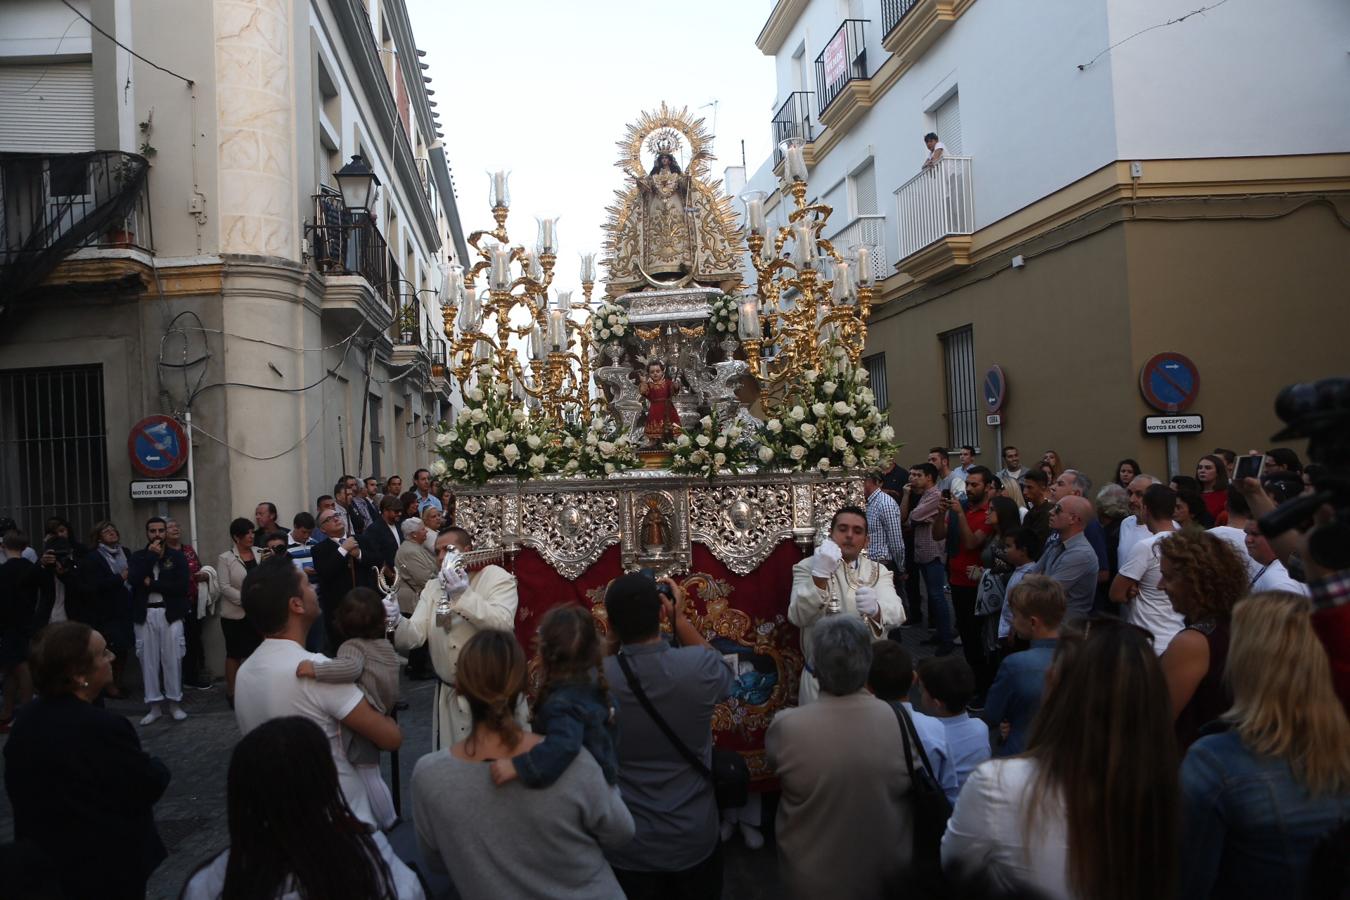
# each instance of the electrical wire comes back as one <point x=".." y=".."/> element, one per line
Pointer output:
<point x="197" y="429"/>
<point x="1083" y="66"/>
<point x="151" y="63"/>
<point x="45" y="69"/>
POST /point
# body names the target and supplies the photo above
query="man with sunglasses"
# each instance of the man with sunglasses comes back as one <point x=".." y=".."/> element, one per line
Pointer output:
<point x="1071" y="560"/>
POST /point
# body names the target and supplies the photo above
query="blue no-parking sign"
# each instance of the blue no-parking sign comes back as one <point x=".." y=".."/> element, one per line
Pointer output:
<point x="157" y="446"/>
<point x="1169" y="382"/>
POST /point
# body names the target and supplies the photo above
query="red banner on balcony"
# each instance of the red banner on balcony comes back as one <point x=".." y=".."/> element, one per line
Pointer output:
<point x="836" y="58"/>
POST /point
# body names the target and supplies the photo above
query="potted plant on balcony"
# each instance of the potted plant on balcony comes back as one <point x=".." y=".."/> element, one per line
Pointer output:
<point x="407" y="325"/>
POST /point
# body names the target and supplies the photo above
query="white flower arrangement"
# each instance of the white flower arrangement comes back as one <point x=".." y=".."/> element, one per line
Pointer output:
<point x="598" y="450"/>
<point x="494" y="437"/>
<point x="609" y="324"/>
<point x="830" y="420"/>
<point x="724" y="316"/>
<point x="711" y="448"/>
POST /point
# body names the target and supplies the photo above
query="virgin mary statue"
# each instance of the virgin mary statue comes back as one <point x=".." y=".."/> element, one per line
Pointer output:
<point x="667" y="226"/>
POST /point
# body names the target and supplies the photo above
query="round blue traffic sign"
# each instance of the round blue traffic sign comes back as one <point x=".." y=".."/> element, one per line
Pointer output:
<point x="1169" y="382"/>
<point x="995" y="388"/>
<point x="157" y="446"/>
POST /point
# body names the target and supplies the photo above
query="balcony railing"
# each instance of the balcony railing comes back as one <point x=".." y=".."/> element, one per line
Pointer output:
<point x="936" y="203"/>
<point x="344" y="243"/>
<point x="844" y="59"/>
<point x="868" y="230"/>
<point x="893" y="13"/>
<point x="53" y="205"/>
<point x="793" y="120"/>
<point x="407" y="326"/>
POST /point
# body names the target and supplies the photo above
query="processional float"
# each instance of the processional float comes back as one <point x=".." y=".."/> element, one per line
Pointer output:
<point x="680" y="422"/>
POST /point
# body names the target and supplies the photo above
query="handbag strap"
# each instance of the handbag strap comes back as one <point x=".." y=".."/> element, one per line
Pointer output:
<point x="906" y="730"/>
<point x="669" y="732"/>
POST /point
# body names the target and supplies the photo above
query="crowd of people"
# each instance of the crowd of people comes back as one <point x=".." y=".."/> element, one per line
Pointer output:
<point x="1149" y="699"/>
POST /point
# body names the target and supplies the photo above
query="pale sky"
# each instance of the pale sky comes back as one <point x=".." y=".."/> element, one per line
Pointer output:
<point x="546" y="89"/>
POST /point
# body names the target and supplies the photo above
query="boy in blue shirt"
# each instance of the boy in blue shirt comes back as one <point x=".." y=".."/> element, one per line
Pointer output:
<point x="948" y="684"/>
<point x="890" y="678"/>
<point x="1037" y="604"/>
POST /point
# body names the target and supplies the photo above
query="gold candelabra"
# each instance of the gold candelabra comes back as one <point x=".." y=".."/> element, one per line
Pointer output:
<point x="825" y="305"/>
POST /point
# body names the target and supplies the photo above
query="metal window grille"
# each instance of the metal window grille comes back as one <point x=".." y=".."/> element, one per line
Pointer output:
<point x="876" y="378"/>
<point x="53" y="448"/>
<point x="958" y="354"/>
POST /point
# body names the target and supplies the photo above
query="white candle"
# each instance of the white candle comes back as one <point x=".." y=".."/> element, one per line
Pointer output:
<point x="754" y="211"/>
<point x="500" y="196"/>
<point x="587" y="267"/>
<point x="864" y="264"/>
<point x="527" y="262"/>
<point x="747" y="326"/>
<point x="843" y="282"/>
<point x="547" y="235"/>
<point x="481" y="350"/>
<point x="536" y="342"/>
<point x="794" y="166"/>
<point x="803" y="245"/>
<point x="467" y="314"/>
<point x="562" y="300"/>
<point x="501" y="267"/>
<point x="557" y="330"/>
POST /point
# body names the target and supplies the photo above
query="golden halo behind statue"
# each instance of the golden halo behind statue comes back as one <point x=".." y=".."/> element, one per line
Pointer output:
<point x="660" y="125"/>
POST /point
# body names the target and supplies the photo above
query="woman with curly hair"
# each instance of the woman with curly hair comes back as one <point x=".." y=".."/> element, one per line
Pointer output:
<point x="1204" y="578"/>
<point x="1127" y="470"/>
<point x="1282" y="767"/>
<point x="1056" y="465"/>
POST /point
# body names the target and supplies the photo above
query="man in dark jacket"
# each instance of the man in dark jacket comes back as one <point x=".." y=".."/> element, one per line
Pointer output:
<point x="339" y="564"/>
<point x="104" y="574"/>
<point x="20" y="586"/>
<point x="160" y="583"/>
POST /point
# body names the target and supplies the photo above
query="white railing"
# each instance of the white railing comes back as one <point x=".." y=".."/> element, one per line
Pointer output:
<point x="934" y="204"/>
<point x="871" y="231"/>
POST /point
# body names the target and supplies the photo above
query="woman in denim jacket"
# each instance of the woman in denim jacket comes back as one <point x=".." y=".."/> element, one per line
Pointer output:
<point x="1261" y="796"/>
<point x="573" y="709"/>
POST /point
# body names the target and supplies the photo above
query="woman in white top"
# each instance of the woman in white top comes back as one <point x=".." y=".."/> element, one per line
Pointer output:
<point x="292" y="834"/>
<point x="1089" y="811"/>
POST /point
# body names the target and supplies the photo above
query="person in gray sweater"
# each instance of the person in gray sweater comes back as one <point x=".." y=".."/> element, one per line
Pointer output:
<point x="512" y="841"/>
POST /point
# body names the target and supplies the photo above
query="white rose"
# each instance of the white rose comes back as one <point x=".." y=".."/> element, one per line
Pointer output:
<point x="810" y="375"/>
<point x="452" y="434"/>
<point x="720" y="460"/>
<point x="518" y="416"/>
<point x="702" y="440"/>
<point x="872" y="455"/>
<point x="490" y="462"/>
<point x="819" y="409"/>
<point x="797" y="451"/>
<point x="495" y="436"/>
<point x="444" y="440"/>
<point x="606" y="448"/>
<point x="829" y="387"/>
<point x="512" y="453"/>
<point x="604" y="333"/>
<point x="609" y="468"/>
<point x="471" y="446"/>
<point x="839" y="443"/>
<point x="477" y="416"/>
<point x="571" y="466"/>
<point x="611" y="318"/>
<point x="569" y="442"/>
<point x="887" y="433"/>
<point x="823" y="464"/>
<point x="682" y="441"/>
<point x="842" y="408"/>
<point x="774" y="426"/>
<point x="721" y="327"/>
<point x="538" y="461"/>
<point x="439" y="468"/>
<point x="474" y="395"/>
<point x="808" y="431"/>
<point x="734" y="433"/>
<point x="867" y="395"/>
<point x="859" y="435"/>
<point x="618" y="330"/>
<point x="534" y="441"/>
<point x="592" y="439"/>
<point x="698" y="457"/>
<point x="860" y="375"/>
<point x="850" y="459"/>
<point x="705" y="422"/>
<point x="721" y="442"/>
<point x="765" y="454"/>
<point x="797" y="414"/>
<point x="460" y="465"/>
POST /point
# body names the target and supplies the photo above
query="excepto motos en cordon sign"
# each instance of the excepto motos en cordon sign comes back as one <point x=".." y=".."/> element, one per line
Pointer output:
<point x="1174" y="424"/>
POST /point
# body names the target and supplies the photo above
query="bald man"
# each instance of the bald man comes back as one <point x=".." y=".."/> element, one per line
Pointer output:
<point x="1071" y="560"/>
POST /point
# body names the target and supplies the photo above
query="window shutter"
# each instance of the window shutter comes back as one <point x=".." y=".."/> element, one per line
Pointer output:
<point x="948" y="129"/>
<point x="47" y="108"/>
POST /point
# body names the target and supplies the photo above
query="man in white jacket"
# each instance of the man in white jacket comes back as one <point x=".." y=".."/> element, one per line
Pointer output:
<point x="839" y="579"/>
<point x="485" y="598"/>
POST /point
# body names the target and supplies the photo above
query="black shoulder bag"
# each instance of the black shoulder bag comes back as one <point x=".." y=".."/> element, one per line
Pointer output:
<point x="931" y="807"/>
<point x="730" y="776"/>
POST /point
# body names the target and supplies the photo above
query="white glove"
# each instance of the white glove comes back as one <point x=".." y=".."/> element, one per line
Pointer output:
<point x="865" y="598"/>
<point x="392" y="613"/>
<point x="827" y="559"/>
<point x="454" y="579"/>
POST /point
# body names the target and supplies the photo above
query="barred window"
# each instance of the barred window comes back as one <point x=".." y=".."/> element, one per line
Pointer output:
<point x="876" y="378"/>
<point x="963" y="415"/>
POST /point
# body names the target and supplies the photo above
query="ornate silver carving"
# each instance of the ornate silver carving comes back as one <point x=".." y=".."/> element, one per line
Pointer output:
<point x="570" y="529"/>
<point x="741" y="523"/>
<point x="668" y="305"/>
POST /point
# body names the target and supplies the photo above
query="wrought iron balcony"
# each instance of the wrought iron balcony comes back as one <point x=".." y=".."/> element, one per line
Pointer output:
<point x="869" y="231"/>
<point x="793" y="120"/>
<point x="52" y="205"/>
<point x="937" y="205"/>
<point x="343" y="243"/>
<point x="844" y="59"/>
<point x="893" y="12"/>
<point x="407" y="327"/>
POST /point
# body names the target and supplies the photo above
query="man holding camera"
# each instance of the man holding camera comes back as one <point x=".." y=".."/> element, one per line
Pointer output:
<point x="839" y="579"/>
<point x="160" y="583"/>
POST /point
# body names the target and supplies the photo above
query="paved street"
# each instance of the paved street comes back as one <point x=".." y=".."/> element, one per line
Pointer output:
<point x="192" y="817"/>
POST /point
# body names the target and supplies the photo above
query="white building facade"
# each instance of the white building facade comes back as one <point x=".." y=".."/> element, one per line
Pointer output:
<point x="175" y="243"/>
<point x="1126" y="134"/>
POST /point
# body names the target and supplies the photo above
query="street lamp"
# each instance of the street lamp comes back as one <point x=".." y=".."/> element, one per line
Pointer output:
<point x="357" y="181"/>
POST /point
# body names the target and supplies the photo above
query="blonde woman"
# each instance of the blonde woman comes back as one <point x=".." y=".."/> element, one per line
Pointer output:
<point x="1261" y="796"/>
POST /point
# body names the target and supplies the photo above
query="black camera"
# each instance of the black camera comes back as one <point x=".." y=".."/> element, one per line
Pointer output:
<point x="661" y="587"/>
<point x="1320" y="412"/>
